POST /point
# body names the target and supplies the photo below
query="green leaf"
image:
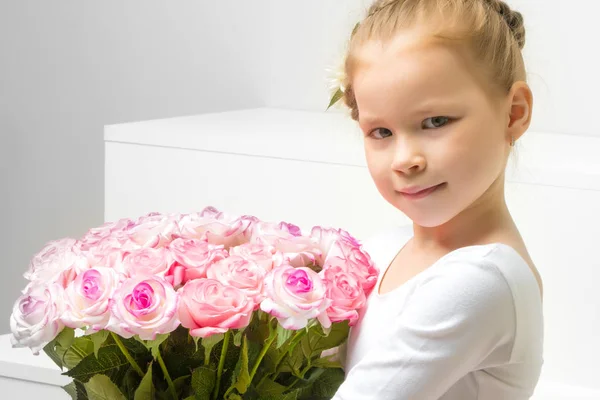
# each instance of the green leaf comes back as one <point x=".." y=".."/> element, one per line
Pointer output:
<point x="130" y="383"/>
<point x="179" y="353"/>
<point x="98" y="339"/>
<point x="320" y="384"/>
<point x="293" y="362"/>
<point x="81" y="348"/>
<point x="146" y="389"/>
<point x="335" y="98"/>
<point x="203" y="382"/>
<point x="50" y="350"/>
<point x="181" y="383"/>
<point x="328" y="383"/>
<point x="100" y="387"/>
<point x="327" y="362"/>
<point x="234" y="396"/>
<point x="209" y="342"/>
<point x="269" y="388"/>
<point x="315" y="341"/>
<point x="242" y="380"/>
<point x="110" y="359"/>
<point x="291" y="395"/>
<point x="71" y="390"/>
<point x="153" y="345"/>
<point x="69" y="356"/>
<point x="76" y="391"/>
<point x="65" y="338"/>
<point x="305" y="386"/>
<point x="282" y="335"/>
<point x="134" y="346"/>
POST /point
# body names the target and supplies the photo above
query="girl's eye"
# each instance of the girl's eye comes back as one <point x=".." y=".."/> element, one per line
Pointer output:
<point x="383" y="133"/>
<point x="435" y="122"/>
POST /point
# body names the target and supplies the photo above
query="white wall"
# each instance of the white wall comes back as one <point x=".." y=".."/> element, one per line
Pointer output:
<point x="67" y="68"/>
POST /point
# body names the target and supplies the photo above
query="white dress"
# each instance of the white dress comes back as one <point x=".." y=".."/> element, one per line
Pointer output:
<point x="468" y="327"/>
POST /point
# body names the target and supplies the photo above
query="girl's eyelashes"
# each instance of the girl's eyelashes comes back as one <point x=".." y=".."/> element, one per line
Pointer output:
<point x="429" y="123"/>
<point x="383" y="133"/>
<point x="435" y="122"/>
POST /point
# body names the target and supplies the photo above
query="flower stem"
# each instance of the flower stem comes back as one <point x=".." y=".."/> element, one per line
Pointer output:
<point x="167" y="376"/>
<point x="125" y="352"/>
<point x="221" y="363"/>
<point x="259" y="359"/>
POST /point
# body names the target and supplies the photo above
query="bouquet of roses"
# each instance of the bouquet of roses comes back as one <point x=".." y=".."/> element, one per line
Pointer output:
<point x="195" y="306"/>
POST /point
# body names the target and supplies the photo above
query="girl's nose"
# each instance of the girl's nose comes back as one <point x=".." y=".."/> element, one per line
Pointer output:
<point x="408" y="158"/>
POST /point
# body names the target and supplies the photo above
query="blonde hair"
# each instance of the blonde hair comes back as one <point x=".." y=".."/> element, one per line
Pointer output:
<point x="493" y="32"/>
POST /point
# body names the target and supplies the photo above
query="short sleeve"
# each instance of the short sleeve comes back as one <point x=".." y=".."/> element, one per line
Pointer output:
<point x="451" y="323"/>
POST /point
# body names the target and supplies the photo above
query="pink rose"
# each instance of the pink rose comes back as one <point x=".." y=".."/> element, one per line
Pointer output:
<point x="144" y="306"/>
<point x="106" y="253"/>
<point x="208" y="307"/>
<point x="355" y="260"/>
<point x="345" y="291"/>
<point x="292" y="229"/>
<point x="325" y="237"/>
<point x="328" y="237"/>
<point x="349" y="238"/>
<point x="295" y="295"/>
<point x="147" y="261"/>
<point x="210" y="211"/>
<point x="263" y="254"/>
<point x="240" y="273"/>
<point x="192" y="257"/>
<point x="110" y="229"/>
<point x="217" y="228"/>
<point x="59" y="261"/>
<point x="87" y="299"/>
<point x="152" y="230"/>
<point x="35" y="318"/>
<point x="298" y="251"/>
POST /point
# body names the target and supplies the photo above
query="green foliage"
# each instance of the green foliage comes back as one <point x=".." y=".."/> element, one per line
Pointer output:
<point x="262" y="362"/>
<point x="146" y="389"/>
<point x="100" y="387"/>
<point x="203" y="382"/>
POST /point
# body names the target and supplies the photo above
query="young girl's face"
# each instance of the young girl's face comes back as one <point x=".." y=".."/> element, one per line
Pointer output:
<point x="428" y="121"/>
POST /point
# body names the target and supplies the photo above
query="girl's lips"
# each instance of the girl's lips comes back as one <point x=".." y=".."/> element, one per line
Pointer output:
<point x="422" y="193"/>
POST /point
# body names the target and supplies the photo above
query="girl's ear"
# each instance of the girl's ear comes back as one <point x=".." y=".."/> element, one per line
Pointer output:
<point x="520" y="100"/>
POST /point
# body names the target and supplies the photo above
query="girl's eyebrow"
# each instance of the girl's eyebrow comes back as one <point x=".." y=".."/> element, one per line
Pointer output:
<point x="369" y="120"/>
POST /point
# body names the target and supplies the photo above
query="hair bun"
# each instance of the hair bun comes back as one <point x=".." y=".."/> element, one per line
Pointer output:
<point x="514" y="20"/>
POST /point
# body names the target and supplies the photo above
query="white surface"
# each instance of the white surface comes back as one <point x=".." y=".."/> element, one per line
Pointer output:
<point x="20" y="363"/>
<point x="28" y="390"/>
<point x="274" y="164"/>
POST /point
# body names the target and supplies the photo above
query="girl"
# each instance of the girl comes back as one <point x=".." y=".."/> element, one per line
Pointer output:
<point x="438" y="89"/>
